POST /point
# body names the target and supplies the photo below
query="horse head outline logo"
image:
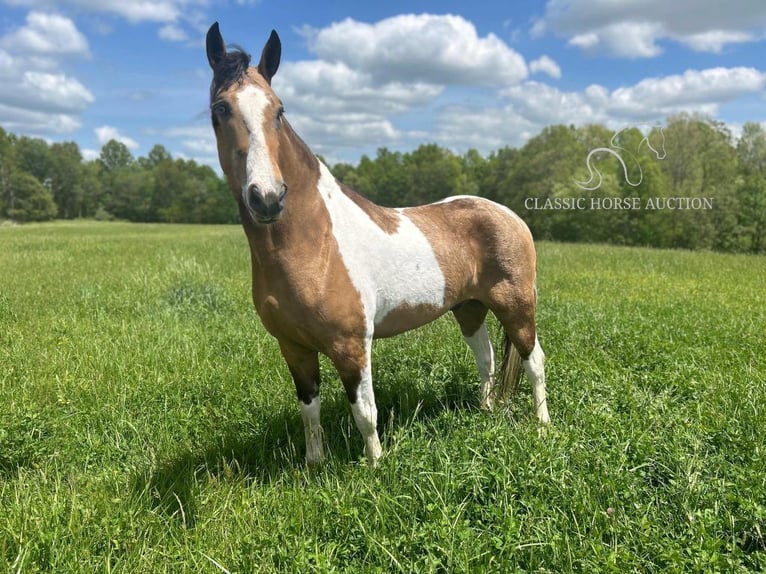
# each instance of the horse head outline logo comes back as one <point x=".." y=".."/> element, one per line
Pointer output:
<point x="619" y="152"/>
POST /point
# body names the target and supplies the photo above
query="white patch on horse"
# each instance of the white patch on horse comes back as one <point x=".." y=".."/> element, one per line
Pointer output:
<point x="535" y="368"/>
<point x="482" y="349"/>
<point x="388" y="270"/>
<point x="259" y="171"/>
<point x="366" y="413"/>
<point x="313" y="431"/>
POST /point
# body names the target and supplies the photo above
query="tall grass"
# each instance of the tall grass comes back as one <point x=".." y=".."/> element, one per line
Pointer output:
<point x="147" y="423"/>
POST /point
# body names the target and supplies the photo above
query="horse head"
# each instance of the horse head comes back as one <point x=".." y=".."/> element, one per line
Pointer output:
<point x="248" y="119"/>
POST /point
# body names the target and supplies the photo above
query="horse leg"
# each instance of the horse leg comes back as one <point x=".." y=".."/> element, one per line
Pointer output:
<point x="304" y="368"/>
<point x="471" y="317"/>
<point x="353" y="362"/>
<point x="534" y="365"/>
<point x="519" y="324"/>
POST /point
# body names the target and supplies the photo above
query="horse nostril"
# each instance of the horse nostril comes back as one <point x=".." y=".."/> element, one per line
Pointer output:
<point x="283" y="192"/>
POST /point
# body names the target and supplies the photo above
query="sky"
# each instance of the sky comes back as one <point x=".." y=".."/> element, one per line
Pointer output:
<point x="356" y="76"/>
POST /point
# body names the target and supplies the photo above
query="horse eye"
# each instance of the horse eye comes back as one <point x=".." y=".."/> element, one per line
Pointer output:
<point x="221" y="109"/>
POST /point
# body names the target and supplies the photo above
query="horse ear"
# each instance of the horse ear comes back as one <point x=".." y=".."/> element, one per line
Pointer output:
<point x="216" y="49"/>
<point x="272" y="53"/>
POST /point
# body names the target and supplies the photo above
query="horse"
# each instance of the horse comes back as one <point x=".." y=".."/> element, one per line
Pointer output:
<point x="331" y="270"/>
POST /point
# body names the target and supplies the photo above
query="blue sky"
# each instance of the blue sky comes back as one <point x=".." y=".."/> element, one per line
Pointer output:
<point x="356" y="76"/>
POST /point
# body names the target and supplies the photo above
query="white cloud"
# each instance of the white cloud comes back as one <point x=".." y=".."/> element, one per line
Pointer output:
<point x="651" y="99"/>
<point x="483" y="128"/>
<point x="17" y="119"/>
<point x="90" y="154"/>
<point x="427" y="48"/>
<point x="546" y="65"/>
<point x="622" y="39"/>
<point x="715" y="40"/>
<point x="53" y="92"/>
<point x="173" y="33"/>
<point x="368" y="76"/>
<point x="47" y="34"/>
<point x="634" y="28"/>
<point x="35" y="97"/>
<point x="322" y="88"/>
<point x="133" y="10"/>
<point x="528" y="107"/>
<point x="106" y="133"/>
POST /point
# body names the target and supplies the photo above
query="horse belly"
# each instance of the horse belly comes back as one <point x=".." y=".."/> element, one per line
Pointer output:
<point x="406" y="317"/>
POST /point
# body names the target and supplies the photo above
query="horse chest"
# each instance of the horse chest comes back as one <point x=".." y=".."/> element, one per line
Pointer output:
<point x="391" y="270"/>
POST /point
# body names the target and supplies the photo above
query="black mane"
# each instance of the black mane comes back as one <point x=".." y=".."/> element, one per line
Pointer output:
<point x="229" y="69"/>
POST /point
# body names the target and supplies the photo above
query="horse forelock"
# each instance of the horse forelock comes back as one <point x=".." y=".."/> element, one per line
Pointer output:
<point x="229" y="69"/>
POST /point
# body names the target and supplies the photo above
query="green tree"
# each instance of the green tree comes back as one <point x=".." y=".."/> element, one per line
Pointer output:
<point x="28" y="199"/>
<point x="701" y="164"/>
<point x="7" y="167"/>
<point x="751" y="187"/>
<point x="130" y="194"/>
<point x="544" y="168"/>
<point x="66" y="178"/>
<point x="33" y="157"/>
<point x="383" y="179"/>
<point x="433" y="173"/>
<point x="156" y="156"/>
<point x="115" y="155"/>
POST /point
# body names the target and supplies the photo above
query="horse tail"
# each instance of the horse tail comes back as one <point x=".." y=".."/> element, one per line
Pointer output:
<point x="510" y="371"/>
<point x="510" y="368"/>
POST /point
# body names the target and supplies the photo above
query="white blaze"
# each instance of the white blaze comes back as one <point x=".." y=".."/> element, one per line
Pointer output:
<point x="388" y="270"/>
<point x="252" y="104"/>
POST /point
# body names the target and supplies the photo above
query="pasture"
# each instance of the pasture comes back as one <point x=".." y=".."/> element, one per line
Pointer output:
<point x="148" y="423"/>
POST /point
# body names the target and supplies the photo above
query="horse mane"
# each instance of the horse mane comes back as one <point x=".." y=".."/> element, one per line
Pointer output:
<point x="229" y="69"/>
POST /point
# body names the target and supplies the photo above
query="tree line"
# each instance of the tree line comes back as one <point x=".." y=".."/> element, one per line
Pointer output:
<point x="41" y="181"/>
<point x="687" y="184"/>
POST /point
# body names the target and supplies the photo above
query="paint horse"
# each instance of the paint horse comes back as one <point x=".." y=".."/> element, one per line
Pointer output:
<point x="332" y="270"/>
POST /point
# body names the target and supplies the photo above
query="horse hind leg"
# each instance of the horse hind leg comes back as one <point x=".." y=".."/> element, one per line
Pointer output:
<point x="534" y="365"/>
<point x="519" y="325"/>
<point x="471" y="317"/>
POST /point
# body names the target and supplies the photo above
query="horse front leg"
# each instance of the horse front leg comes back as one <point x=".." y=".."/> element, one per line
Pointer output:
<point x="304" y="368"/>
<point x="354" y="365"/>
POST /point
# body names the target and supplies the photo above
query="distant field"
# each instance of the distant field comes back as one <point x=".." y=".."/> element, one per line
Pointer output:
<point x="147" y="423"/>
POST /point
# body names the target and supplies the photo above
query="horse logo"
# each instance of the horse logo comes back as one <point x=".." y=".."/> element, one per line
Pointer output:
<point x="618" y="151"/>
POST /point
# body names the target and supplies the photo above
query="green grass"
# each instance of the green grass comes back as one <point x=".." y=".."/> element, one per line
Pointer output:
<point x="148" y="424"/>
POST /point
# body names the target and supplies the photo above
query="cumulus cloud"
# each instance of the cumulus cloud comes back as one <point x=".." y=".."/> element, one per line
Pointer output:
<point x="173" y="33"/>
<point x="530" y="106"/>
<point x="106" y="133"/>
<point x="651" y="99"/>
<point x="133" y="11"/>
<point x="366" y="76"/>
<point x="323" y="88"/>
<point x="47" y="34"/>
<point x="437" y="49"/>
<point x="635" y="29"/>
<point x="545" y="65"/>
<point x="17" y="119"/>
<point x="622" y="39"/>
<point x="34" y="96"/>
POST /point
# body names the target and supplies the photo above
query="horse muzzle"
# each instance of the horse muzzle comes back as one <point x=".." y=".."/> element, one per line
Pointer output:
<point x="266" y="207"/>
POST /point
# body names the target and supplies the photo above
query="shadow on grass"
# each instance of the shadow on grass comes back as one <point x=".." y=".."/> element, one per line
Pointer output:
<point x="273" y="451"/>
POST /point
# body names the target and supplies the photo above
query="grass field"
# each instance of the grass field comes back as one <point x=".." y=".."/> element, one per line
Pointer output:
<point x="147" y="423"/>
